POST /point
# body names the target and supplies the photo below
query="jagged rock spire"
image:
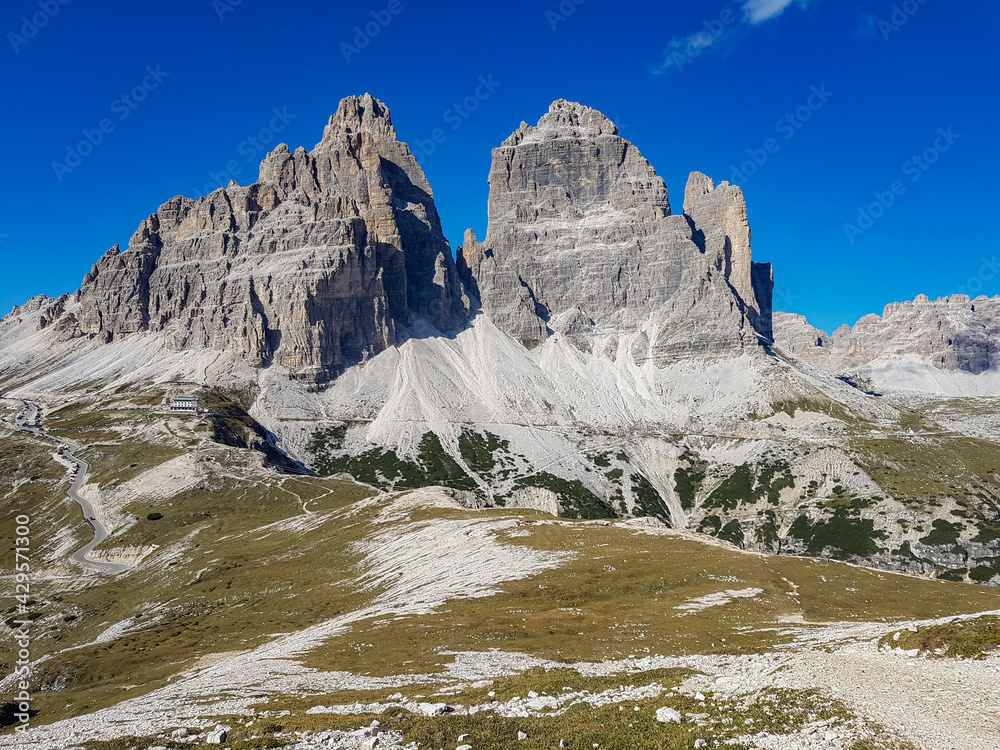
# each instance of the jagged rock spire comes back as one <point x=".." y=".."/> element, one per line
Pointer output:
<point x="361" y="114"/>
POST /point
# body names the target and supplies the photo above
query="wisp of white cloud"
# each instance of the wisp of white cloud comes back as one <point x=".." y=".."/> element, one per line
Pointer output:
<point x="758" y="11"/>
<point x="679" y="52"/>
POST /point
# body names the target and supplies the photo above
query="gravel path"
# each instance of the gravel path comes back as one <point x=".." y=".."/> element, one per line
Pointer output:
<point x="937" y="704"/>
<point x="30" y="421"/>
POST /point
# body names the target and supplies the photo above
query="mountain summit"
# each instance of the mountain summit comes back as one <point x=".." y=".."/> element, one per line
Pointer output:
<point x="581" y="237"/>
<point x="314" y="267"/>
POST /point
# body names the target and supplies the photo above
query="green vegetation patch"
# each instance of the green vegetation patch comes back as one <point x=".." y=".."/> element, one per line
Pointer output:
<point x="772" y="479"/>
<point x="843" y="500"/>
<point x="985" y="573"/>
<point x="844" y="534"/>
<point x="944" y="533"/>
<point x="649" y="502"/>
<point x="480" y="453"/>
<point x="767" y="531"/>
<point x="732" y="532"/>
<point x="819" y="403"/>
<point x="440" y="467"/>
<point x="988" y="532"/>
<point x="951" y="574"/>
<point x="688" y="479"/>
<point x="925" y="469"/>
<point x="737" y="488"/>
<point x="965" y="639"/>
<point x="711" y="525"/>
<point x="750" y="484"/>
<point x="114" y="464"/>
<point x="379" y="467"/>
<point x="575" y="500"/>
<point x="330" y="438"/>
<point x="382" y="468"/>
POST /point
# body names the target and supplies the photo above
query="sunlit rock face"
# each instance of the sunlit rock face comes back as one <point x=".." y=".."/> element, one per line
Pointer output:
<point x="315" y="267"/>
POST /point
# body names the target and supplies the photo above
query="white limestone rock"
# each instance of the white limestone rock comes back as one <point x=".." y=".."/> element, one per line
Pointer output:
<point x="668" y="716"/>
<point x="952" y="333"/>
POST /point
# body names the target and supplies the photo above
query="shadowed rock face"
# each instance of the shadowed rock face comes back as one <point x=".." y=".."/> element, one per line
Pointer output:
<point x="581" y="237"/>
<point x="951" y="333"/>
<point x="316" y="266"/>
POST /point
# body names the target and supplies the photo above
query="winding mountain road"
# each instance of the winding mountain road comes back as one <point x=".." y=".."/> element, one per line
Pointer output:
<point x="29" y="421"/>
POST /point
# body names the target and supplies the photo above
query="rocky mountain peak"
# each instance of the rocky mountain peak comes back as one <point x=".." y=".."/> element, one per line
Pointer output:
<point x="564" y="114"/>
<point x="32" y="305"/>
<point x="564" y="119"/>
<point x="571" y="162"/>
<point x="698" y="184"/>
<point x="580" y="229"/>
<point x="320" y="264"/>
<point x="360" y="114"/>
<point x="722" y="229"/>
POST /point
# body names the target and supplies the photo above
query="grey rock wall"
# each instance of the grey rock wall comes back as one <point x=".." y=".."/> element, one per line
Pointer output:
<point x="951" y="333"/>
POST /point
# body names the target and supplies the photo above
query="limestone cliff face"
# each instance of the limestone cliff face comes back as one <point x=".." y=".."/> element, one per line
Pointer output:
<point x="951" y="333"/>
<point x="333" y="253"/>
<point x="316" y="266"/>
<point x="581" y="237"/>
<point x="722" y="230"/>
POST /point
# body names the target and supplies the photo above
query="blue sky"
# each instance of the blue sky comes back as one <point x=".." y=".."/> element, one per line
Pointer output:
<point x="818" y="108"/>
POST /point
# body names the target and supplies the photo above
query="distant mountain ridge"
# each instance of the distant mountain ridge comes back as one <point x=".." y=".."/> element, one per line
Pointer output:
<point x="951" y="333"/>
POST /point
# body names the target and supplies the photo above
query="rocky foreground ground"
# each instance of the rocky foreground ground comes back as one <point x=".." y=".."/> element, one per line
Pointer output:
<point x="831" y="686"/>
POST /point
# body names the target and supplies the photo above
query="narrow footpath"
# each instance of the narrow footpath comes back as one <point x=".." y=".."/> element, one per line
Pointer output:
<point x="30" y="421"/>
